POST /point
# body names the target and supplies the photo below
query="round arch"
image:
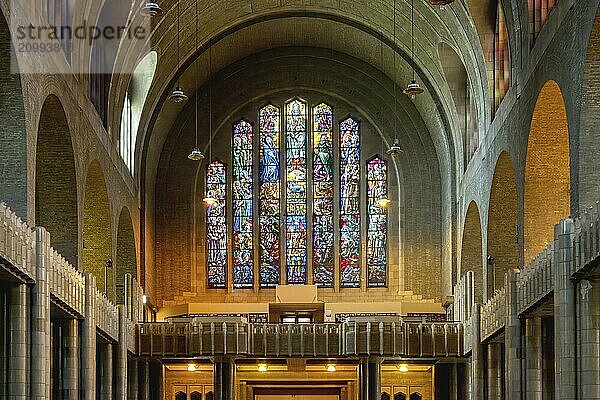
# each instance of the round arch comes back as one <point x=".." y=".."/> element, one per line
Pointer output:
<point x="502" y="247"/>
<point x="97" y="233"/>
<point x="126" y="260"/>
<point x="55" y="180"/>
<point x="472" y="249"/>
<point x="547" y="171"/>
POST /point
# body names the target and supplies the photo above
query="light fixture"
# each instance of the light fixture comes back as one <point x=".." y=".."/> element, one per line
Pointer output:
<point x="441" y="3"/>
<point x="150" y="9"/>
<point x="403" y="368"/>
<point x="262" y="367"/>
<point x="178" y="95"/>
<point x="331" y="368"/>
<point x="196" y="154"/>
<point x="209" y="200"/>
<point x="383" y="202"/>
<point x="413" y="89"/>
<point x="191" y="367"/>
<point x="395" y="150"/>
<point x="144" y="299"/>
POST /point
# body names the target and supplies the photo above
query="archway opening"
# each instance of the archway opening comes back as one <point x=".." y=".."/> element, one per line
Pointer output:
<point x="13" y="178"/>
<point x="547" y="171"/>
<point x="126" y="254"/>
<point x="55" y="180"/>
<point x="502" y="246"/>
<point x="97" y="233"/>
<point x="472" y="249"/>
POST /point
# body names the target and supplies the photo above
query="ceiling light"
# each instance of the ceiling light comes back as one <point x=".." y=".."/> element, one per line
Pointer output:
<point x="196" y="155"/>
<point x="262" y="367"/>
<point x="331" y="368"/>
<point x="441" y="3"/>
<point x="413" y="89"/>
<point x="178" y="95"/>
<point x="144" y="299"/>
<point x="383" y="202"/>
<point x="191" y="367"/>
<point x="403" y="368"/>
<point x="395" y="150"/>
<point x="151" y="9"/>
<point x="210" y="201"/>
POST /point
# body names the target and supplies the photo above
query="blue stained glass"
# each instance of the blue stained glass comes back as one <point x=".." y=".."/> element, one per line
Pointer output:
<point x="349" y="204"/>
<point x="243" y="256"/>
<point x="270" y="255"/>
<point x="323" y="238"/>
<point x="216" y="225"/>
<point x="296" y="229"/>
<point x="377" y="232"/>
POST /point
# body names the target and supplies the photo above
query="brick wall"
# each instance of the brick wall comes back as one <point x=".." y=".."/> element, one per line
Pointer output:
<point x="472" y="245"/>
<point x="126" y="260"/>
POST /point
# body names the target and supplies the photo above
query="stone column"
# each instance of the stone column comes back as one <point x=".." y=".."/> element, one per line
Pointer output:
<point x="132" y="379"/>
<point x="477" y="356"/>
<point x="40" y="319"/>
<point x="18" y="379"/>
<point x="145" y="384"/>
<point x="589" y="327"/>
<point x="533" y="358"/>
<point x="70" y="344"/>
<point x="370" y="378"/>
<point x="224" y="378"/>
<point x="564" y="312"/>
<point x="88" y="367"/>
<point x="512" y="339"/>
<point x="495" y="371"/>
<point x="121" y="359"/>
<point x="106" y="380"/>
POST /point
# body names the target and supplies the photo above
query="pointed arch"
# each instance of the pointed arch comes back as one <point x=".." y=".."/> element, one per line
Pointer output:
<point x="126" y="261"/>
<point x="547" y="171"/>
<point x="97" y="231"/>
<point x="472" y="249"/>
<point x="56" y="180"/>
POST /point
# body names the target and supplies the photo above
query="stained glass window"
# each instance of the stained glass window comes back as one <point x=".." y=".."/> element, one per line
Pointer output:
<point x="243" y="257"/>
<point x="216" y="226"/>
<point x="270" y="180"/>
<point x="323" y="232"/>
<point x="349" y="203"/>
<point x="377" y="228"/>
<point x="296" y="143"/>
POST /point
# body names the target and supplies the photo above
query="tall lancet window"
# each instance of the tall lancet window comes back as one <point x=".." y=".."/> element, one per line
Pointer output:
<point x="243" y="257"/>
<point x="349" y="204"/>
<point x="323" y="237"/>
<point x="377" y="198"/>
<point x="216" y="225"/>
<point x="270" y="180"/>
<point x="296" y="144"/>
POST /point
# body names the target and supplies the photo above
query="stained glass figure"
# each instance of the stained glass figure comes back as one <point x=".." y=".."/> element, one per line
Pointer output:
<point x="323" y="231"/>
<point x="216" y="225"/>
<point x="296" y="144"/>
<point x="243" y="256"/>
<point x="270" y="180"/>
<point x="377" y="192"/>
<point x="349" y="204"/>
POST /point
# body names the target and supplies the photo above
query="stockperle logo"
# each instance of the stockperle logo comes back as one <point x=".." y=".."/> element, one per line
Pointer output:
<point x="42" y="27"/>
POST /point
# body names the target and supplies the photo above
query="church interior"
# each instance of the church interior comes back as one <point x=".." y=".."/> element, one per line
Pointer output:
<point x="300" y="199"/>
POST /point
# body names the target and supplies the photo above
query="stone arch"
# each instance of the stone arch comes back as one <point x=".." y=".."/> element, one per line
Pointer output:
<point x="472" y="249"/>
<point x="126" y="260"/>
<point x="502" y="246"/>
<point x="97" y="233"/>
<point x="13" y="136"/>
<point x="547" y="171"/>
<point x="55" y="180"/>
<point x="589" y="135"/>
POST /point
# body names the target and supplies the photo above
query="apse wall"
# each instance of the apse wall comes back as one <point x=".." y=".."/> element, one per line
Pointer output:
<point x="415" y="212"/>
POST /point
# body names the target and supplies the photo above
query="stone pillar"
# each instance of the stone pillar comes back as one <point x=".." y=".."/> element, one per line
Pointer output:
<point x="224" y="378"/>
<point x="533" y="358"/>
<point x="121" y="359"/>
<point x="132" y="379"/>
<point x="477" y="356"/>
<point x="512" y="339"/>
<point x="18" y="379"/>
<point x="40" y="319"/>
<point x="565" y="319"/>
<point x="145" y="384"/>
<point x="370" y="378"/>
<point x="495" y="374"/>
<point x="88" y="367"/>
<point x="589" y="331"/>
<point x="106" y="380"/>
<point x="3" y="340"/>
<point x="70" y="345"/>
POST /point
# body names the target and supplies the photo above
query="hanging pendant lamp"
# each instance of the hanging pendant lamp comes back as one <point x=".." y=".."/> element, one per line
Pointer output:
<point x="196" y="154"/>
<point x="440" y="3"/>
<point x="395" y="150"/>
<point x="209" y="199"/>
<point x="150" y="9"/>
<point x="413" y="89"/>
<point x="178" y="95"/>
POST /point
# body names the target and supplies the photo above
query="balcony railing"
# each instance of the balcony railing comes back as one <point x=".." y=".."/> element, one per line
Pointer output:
<point x="17" y="244"/>
<point x="67" y="285"/>
<point x="107" y="316"/>
<point x="493" y="314"/>
<point x="536" y="280"/>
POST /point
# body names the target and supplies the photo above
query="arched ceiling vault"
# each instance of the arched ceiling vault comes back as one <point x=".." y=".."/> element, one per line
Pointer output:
<point x="236" y="29"/>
